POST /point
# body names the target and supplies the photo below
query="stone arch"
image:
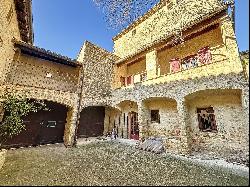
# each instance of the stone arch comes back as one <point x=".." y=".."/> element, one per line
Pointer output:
<point x="151" y="98"/>
<point x="156" y="96"/>
<point x="212" y="91"/>
<point x="230" y="119"/>
<point x="65" y="98"/>
<point x="130" y="105"/>
<point x="42" y="127"/>
<point x="117" y="103"/>
<point x="159" y="116"/>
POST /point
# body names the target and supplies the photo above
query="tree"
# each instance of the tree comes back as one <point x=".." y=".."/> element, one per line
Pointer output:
<point x="15" y="108"/>
<point x="120" y="13"/>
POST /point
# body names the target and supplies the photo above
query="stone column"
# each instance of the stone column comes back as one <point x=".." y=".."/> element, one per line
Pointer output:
<point x="106" y="120"/>
<point x="151" y="64"/>
<point x="143" y="117"/>
<point x="245" y="106"/>
<point x="184" y="134"/>
<point x="70" y="127"/>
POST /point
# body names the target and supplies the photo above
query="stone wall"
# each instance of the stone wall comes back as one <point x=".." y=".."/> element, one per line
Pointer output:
<point x="179" y="90"/>
<point x="97" y="75"/>
<point x="169" y="127"/>
<point x="168" y="116"/>
<point x="36" y="72"/>
<point x="8" y="30"/>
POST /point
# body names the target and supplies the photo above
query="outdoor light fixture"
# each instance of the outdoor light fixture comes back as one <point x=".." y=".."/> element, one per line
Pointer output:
<point x="48" y="75"/>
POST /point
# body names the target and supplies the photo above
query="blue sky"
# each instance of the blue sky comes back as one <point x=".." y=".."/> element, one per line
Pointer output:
<point x="63" y="25"/>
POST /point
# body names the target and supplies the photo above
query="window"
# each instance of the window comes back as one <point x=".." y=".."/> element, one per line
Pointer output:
<point x="129" y="80"/>
<point x="206" y="119"/>
<point x="155" y="116"/>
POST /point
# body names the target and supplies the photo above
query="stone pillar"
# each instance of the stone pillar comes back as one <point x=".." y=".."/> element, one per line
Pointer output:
<point x="184" y="134"/>
<point x="143" y="117"/>
<point x="106" y="120"/>
<point x="245" y="106"/>
<point x="229" y="39"/>
<point x="151" y="64"/>
<point x="70" y="127"/>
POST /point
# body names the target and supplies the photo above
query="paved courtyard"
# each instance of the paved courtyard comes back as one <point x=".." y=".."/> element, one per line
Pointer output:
<point x="106" y="163"/>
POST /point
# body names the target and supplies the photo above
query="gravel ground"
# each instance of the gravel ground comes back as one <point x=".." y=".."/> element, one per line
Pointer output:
<point x="107" y="163"/>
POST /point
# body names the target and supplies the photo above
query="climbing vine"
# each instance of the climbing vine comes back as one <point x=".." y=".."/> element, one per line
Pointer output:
<point x="15" y="108"/>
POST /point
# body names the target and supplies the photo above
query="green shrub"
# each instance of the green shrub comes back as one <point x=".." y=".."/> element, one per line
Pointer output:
<point x="15" y="108"/>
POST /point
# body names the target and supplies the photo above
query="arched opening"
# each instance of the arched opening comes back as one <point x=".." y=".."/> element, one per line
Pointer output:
<point x="124" y="119"/>
<point x="217" y="122"/>
<point x="42" y="127"/>
<point x="161" y="116"/>
<point x="91" y="122"/>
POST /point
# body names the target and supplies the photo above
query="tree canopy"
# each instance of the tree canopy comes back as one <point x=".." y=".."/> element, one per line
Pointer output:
<point x="120" y="13"/>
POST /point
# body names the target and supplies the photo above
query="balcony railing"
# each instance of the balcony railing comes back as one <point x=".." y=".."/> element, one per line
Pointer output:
<point x="203" y="56"/>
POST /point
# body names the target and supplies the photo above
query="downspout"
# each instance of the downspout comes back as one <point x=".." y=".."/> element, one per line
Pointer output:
<point x="78" y="109"/>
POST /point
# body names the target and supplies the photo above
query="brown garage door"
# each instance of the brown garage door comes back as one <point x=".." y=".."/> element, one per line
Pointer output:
<point x="91" y="122"/>
<point x="42" y="127"/>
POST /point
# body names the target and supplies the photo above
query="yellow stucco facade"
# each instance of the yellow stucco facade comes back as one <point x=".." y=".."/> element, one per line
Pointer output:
<point x="8" y="30"/>
<point x="224" y="51"/>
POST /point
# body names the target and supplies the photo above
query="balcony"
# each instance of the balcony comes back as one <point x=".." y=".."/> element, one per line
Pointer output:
<point x="202" y="57"/>
<point x="180" y="66"/>
<point x="132" y="79"/>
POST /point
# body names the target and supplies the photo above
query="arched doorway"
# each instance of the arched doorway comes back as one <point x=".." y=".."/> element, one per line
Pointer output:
<point x="91" y="122"/>
<point x="42" y="127"/>
<point x="129" y="119"/>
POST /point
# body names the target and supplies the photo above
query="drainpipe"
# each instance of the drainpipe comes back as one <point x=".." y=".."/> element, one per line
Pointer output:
<point x="78" y="110"/>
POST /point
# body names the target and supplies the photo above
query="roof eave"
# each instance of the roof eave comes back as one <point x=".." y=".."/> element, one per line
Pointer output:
<point x="45" y="54"/>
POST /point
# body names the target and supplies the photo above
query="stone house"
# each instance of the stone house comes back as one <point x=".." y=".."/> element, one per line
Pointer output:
<point x="175" y="73"/>
<point x="190" y="91"/>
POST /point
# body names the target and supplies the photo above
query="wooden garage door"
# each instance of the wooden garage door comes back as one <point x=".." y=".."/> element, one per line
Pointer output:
<point x="42" y="127"/>
<point x="91" y="122"/>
